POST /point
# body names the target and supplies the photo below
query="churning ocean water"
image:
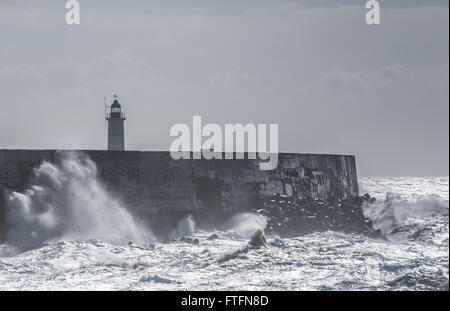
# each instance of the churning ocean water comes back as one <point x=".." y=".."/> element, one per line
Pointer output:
<point x="76" y="248"/>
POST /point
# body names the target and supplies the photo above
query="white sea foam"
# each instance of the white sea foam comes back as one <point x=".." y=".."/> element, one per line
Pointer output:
<point x="317" y="261"/>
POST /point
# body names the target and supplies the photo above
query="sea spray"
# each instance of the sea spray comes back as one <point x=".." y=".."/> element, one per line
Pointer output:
<point x="184" y="228"/>
<point x="244" y="225"/>
<point x="395" y="210"/>
<point x="65" y="200"/>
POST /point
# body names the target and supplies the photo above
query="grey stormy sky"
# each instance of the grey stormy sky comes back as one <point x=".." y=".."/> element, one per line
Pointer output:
<point x="333" y="83"/>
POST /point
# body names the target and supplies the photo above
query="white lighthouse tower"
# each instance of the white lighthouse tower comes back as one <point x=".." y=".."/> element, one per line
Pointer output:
<point x="115" y="118"/>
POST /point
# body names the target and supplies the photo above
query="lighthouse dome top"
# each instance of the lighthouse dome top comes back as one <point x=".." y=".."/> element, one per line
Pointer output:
<point x="116" y="102"/>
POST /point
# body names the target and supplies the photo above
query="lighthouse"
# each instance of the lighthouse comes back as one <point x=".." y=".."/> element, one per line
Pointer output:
<point x="115" y="118"/>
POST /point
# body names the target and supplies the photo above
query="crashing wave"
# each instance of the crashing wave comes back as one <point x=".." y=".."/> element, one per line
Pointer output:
<point x="394" y="211"/>
<point x="65" y="200"/>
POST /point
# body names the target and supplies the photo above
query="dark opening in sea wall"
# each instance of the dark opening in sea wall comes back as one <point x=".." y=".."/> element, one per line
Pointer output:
<point x="152" y="183"/>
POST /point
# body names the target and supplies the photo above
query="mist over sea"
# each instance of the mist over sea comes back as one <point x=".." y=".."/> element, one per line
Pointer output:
<point x="69" y="233"/>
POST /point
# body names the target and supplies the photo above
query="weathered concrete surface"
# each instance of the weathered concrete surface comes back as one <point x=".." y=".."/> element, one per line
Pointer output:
<point x="154" y="183"/>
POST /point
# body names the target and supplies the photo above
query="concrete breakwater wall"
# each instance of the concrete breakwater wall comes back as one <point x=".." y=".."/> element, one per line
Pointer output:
<point x="153" y="183"/>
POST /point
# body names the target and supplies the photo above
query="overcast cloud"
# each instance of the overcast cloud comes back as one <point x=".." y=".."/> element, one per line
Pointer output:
<point x="333" y="83"/>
